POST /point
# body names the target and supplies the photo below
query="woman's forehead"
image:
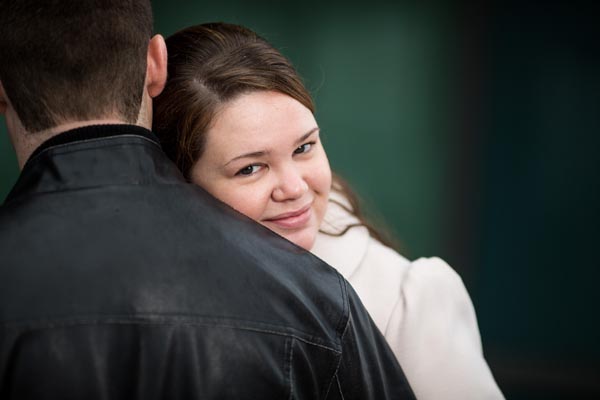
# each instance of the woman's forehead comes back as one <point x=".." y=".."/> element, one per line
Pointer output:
<point x="260" y="117"/>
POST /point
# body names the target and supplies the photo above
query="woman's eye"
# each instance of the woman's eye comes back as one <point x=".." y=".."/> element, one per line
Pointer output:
<point x="305" y="148"/>
<point x="249" y="170"/>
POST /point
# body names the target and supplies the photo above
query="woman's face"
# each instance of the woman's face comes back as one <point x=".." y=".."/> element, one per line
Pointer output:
<point x="263" y="157"/>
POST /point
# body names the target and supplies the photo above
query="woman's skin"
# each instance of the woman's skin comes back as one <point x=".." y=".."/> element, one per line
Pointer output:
<point x="263" y="157"/>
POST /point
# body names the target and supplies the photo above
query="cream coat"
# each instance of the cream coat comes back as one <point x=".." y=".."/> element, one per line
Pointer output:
<point x="421" y="307"/>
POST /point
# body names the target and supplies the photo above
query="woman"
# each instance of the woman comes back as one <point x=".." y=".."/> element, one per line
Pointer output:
<point x="237" y="120"/>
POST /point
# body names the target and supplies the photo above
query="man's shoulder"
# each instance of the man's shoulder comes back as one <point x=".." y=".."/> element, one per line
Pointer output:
<point x="166" y="251"/>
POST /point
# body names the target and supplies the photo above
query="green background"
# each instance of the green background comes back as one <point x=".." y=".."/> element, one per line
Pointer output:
<point x="473" y="134"/>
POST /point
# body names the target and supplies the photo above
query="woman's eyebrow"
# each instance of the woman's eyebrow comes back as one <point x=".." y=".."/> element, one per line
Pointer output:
<point x="266" y="152"/>
<point x="306" y="135"/>
<point x="248" y="155"/>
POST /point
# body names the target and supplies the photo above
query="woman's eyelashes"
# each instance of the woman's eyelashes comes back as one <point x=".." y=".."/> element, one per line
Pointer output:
<point x="252" y="169"/>
<point x="305" y="148"/>
<point x="249" y="170"/>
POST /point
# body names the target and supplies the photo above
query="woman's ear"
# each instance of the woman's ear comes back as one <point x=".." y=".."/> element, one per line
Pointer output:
<point x="156" y="69"/>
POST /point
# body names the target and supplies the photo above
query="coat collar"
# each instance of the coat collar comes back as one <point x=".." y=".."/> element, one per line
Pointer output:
<point x="346" y="252"/>
<point x="94" y="156"/>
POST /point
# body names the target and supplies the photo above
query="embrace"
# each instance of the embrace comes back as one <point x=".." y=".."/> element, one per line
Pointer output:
<point x="176" y="230"/>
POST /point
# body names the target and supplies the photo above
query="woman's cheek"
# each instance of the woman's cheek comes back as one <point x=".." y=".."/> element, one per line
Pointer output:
<point x="250" y="200"/>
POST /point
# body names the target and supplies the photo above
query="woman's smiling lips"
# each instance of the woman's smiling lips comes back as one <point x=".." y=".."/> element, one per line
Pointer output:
<point x="292" y="220"/>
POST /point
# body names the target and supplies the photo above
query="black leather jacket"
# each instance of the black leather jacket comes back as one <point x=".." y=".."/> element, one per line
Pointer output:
<point x="118" y="280"/>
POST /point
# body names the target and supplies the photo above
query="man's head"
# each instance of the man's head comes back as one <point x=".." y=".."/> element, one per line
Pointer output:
<point x="65" y="61"/>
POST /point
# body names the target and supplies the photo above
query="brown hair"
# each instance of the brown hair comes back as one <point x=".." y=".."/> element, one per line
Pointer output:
<point x="74" y="59"/>
<point x="211" y="64"/>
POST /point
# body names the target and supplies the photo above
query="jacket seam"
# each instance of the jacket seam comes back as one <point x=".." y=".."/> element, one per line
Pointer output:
<point x="170" y="321"/>
<point x="345" y="305"/>
<point x="290" y="374"/>
<point x="339" y="386"/>
<point x="337" y="368"/>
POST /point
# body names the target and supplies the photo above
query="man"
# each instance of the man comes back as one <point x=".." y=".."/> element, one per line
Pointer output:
<point x="120" y="281"/>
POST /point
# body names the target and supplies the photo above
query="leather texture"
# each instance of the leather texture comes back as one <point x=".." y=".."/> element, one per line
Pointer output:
<point x="118" y="280"/>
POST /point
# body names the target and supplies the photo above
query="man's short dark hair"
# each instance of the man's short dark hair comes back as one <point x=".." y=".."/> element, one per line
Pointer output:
<point x="73" y="60"/>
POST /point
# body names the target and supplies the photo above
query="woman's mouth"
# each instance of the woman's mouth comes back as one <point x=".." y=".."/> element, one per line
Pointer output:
<point x="292" y="220"/>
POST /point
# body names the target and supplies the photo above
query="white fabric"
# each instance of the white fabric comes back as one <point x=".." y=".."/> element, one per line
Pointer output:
<point x="421" y="307"/>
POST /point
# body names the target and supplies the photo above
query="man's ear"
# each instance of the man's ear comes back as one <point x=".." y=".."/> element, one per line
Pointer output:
<point x="3" y="100"/>
<point x="156" y="69"/>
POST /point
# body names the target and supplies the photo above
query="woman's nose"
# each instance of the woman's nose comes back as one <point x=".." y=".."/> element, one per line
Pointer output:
<point x="290" y="185"/>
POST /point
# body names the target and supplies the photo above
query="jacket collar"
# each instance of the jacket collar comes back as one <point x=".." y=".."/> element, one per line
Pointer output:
<point x="346" y="252"/>
<point x="92" y="132"/>
<point x="92" y="156"/>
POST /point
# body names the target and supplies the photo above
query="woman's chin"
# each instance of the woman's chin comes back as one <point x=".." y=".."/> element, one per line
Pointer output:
<point x="305" y="242"/>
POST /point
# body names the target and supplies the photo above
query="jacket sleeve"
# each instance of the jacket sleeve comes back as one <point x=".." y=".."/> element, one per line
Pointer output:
<point x="433" y="332"/>
<point x="368" y="369"/>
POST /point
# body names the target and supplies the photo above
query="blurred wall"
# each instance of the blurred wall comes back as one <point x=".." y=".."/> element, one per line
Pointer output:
<point x="538" y="192"/>
<point x="473" y="134"/>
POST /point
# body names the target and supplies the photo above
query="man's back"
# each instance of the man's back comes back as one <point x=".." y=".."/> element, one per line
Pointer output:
<point x="118" y="280"/>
